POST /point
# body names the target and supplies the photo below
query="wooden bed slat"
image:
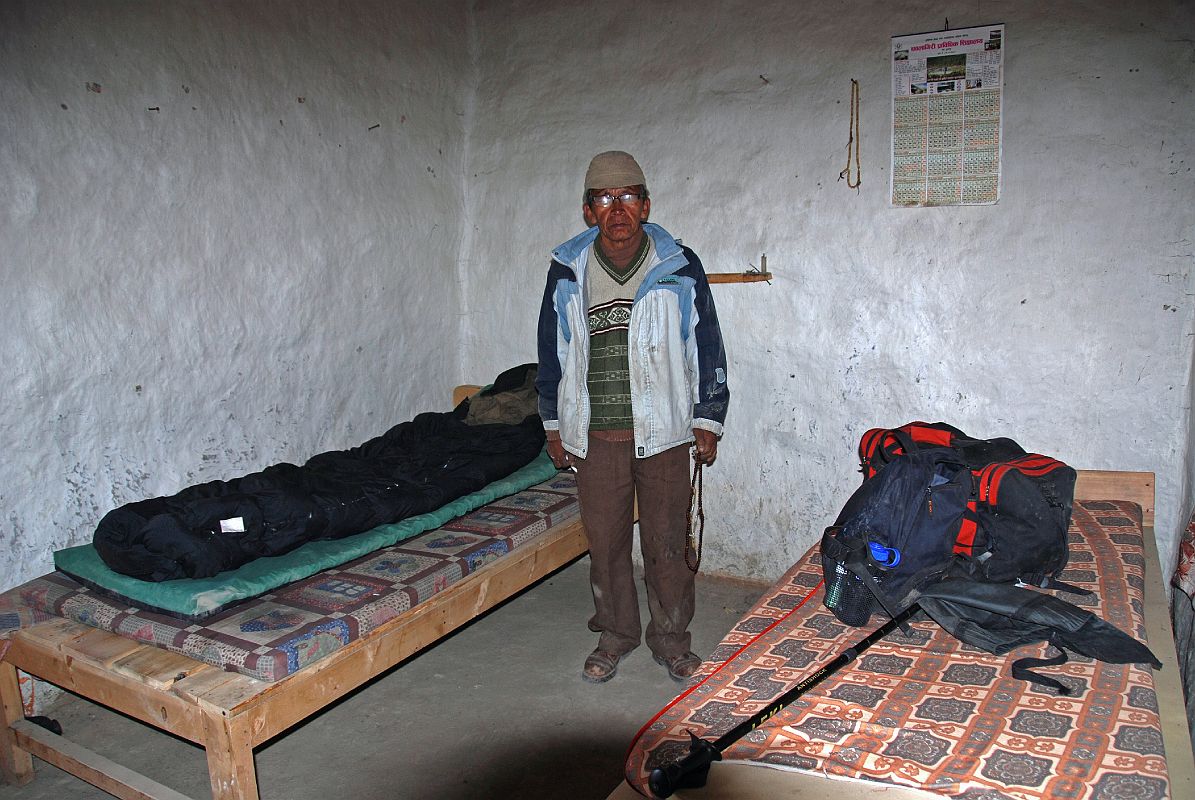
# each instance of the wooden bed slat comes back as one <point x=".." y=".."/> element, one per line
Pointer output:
<point x="90" y="766"/>
<point x="156" y="667"/>
<point x="201" y="682"/>
<point x="103" y="647"/>
<point x="58" y="633"/>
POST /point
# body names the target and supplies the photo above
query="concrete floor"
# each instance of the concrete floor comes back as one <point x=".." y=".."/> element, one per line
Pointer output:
<point x="497" y="710"/>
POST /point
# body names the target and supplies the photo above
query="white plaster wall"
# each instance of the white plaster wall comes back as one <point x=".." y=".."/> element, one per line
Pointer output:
<point x="1061" y="316"/>
<point x="240" y="278"/>
<point x="240" y="250"/>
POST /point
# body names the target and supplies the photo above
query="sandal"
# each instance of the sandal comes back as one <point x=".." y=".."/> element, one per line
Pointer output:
<point x="600" y="666"/>
<point x="681" y="667"/>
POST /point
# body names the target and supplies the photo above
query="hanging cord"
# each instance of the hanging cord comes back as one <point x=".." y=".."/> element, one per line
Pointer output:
<point x="691" y="548"/>
<point x="853" y="140"/>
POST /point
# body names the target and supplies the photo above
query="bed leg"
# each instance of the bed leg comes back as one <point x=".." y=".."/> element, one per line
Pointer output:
<point x="230" y="758"/>
<point x="15" y="763"/>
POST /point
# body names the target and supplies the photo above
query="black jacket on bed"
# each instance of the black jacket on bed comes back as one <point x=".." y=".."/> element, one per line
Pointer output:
<point x="413" y="468"/>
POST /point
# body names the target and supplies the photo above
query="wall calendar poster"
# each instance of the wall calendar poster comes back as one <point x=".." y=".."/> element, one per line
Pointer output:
<point x="947" y="109"/>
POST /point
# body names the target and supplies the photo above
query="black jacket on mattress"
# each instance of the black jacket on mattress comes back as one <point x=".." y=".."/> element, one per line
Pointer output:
<point x="413" y="468"/>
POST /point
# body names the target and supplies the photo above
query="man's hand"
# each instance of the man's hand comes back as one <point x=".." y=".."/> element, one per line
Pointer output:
<point x="562" y="458"/>
<point x="706" y="445"/>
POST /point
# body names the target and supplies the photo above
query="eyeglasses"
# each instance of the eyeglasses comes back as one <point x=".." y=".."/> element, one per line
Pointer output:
<point x="607" y="200"/>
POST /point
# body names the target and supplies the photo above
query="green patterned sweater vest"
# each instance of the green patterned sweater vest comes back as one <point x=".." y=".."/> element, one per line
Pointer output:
<point x="611" y="293"/>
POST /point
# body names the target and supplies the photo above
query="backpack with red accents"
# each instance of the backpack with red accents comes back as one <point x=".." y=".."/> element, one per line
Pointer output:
<point x="950" y="523"/>
<point x="935" y="500"/>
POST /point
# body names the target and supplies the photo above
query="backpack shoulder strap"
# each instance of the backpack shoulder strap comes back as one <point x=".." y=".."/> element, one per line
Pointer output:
<point x="1022" y="670"/>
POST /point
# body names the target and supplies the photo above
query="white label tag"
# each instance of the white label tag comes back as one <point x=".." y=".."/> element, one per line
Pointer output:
<point x="232" y="525"/>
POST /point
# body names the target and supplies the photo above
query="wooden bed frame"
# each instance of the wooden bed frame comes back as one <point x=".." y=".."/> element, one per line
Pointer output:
<point x="226" y="713"/>
<point x="743" y="781"/>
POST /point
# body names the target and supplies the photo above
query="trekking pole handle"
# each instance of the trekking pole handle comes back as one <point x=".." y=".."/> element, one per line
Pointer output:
<point x="688" y="773"/>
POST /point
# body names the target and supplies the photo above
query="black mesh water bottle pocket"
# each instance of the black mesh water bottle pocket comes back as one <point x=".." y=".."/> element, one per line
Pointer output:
<point x="849" y="598"/>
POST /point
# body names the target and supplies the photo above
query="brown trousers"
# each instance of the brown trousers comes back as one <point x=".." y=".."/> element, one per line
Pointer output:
<point x="608" y="480"/>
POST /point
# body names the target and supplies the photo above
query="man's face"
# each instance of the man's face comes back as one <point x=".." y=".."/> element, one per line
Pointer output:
<point x="620" y="222"/>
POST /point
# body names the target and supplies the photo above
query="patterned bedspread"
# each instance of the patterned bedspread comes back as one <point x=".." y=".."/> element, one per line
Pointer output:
<point x="276" y="634"/>
<point x="928" y="711"/>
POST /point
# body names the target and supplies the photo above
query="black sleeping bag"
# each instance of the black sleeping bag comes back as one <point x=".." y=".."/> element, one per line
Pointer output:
<point x="413" y="468"/>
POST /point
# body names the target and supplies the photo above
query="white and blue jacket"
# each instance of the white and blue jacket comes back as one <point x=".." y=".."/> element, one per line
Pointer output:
<point x="677" y="360"/>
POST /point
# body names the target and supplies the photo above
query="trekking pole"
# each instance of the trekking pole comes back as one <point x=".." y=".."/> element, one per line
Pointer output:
<point x="691" y="771"/>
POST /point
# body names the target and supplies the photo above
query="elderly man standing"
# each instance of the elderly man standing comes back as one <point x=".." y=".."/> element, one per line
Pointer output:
<point x="632" y="372"/>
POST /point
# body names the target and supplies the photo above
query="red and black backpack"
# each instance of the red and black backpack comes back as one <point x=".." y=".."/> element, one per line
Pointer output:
<point x="962" y="527"/>
<point x="934" y="499"/>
